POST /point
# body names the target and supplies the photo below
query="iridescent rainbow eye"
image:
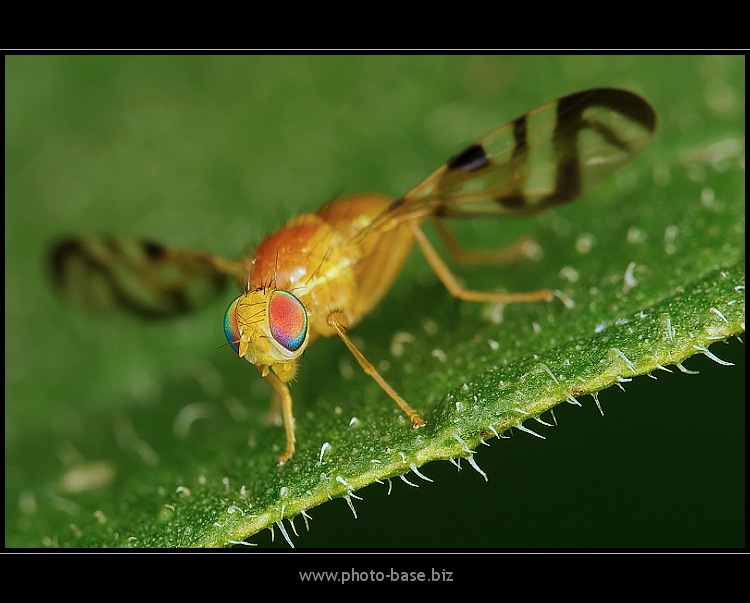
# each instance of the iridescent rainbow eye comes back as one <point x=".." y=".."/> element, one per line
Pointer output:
<point x="231" y="328"/>
<point x="287" y="318"/>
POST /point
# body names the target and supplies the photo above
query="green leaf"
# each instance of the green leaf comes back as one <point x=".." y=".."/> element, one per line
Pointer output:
<point x="122" y="434"/>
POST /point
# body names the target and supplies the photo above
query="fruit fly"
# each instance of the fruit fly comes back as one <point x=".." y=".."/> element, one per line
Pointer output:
<point x="322" y="273"/>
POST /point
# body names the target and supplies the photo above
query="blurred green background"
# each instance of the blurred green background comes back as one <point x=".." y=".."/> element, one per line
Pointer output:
<point x="214" y="152"/>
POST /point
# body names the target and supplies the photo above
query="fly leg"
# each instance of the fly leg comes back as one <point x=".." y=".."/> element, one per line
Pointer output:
<point x="523" y="249"/>
<point x="457" y="290"/>
<point x="335" y="323"/>
<point x="282" y="395"/>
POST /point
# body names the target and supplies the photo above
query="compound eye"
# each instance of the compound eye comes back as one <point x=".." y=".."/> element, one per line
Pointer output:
<point x="287" y="318"/>
<point x="231" y="327"/>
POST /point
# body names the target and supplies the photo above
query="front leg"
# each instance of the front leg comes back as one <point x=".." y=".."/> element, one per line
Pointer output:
<point x="334" y="321"/>
<point x="282" y="395"/>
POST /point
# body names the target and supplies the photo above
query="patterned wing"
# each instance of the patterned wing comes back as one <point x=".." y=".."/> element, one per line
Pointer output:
<point x="549" y="156"/>
<point x="139" y="276"/>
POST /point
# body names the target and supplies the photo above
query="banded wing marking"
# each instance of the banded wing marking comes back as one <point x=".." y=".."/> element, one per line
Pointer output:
<point x="139" y="276"/>
<point x="549" y="156"/>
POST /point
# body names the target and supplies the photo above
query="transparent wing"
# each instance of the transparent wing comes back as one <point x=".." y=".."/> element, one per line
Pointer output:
<point x="138" y="276"/>
<point x="549" y="156"/>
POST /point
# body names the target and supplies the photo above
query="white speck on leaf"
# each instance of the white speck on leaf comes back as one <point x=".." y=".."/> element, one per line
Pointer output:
<point x="628" y="279"/>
